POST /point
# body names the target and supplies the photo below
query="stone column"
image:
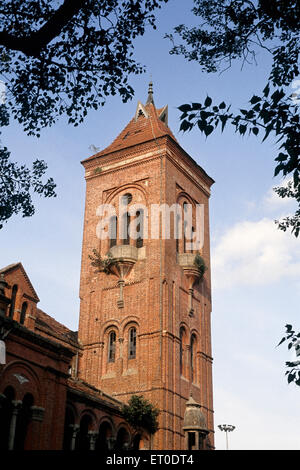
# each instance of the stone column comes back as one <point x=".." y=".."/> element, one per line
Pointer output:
<point x="111" y="443"/>
<point x="12" y="428"/>
<point x="75" y="428"/>
<point x="191" y="310"/>
<point x="120" y="302"/>
<point x="196" y="440"/>
<point x="92" y="438"/>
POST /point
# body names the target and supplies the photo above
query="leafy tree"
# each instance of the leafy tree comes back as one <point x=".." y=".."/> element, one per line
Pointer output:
<point x="235" y="29"/>
<point x="17" y="183"/>
<point x="141" y="414"/>
<point x="293" y="369"/>
<point x="64" y="57"/>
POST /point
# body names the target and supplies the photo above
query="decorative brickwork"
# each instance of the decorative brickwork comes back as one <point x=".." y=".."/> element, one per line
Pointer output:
<point x="159" y="295"/>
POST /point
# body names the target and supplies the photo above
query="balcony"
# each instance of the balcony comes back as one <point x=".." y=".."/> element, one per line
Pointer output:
<point x="190" y="269"/>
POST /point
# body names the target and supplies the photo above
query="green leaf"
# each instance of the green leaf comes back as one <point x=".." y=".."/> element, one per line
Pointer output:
<point x="185" y="107"/>
<point x="266" y="90"/>
<point x="222" y="105"/>
<point x="207" y="102"/>
<point x="224" y="121"/>
<point x="291" y="377"/>
<point x="255" y="99"/>
<point x="201" y="125"/>
<point x="281" y="157"/>
<point x="185" y="126"/>
<point x="281" y="341"/>
<point x="196" y="106"/>
<point x="278" y="169"/>
<point x="242" y="129"/>
<point x="191" y="116"/>
<point x="268" y="130"/>
<point x="208" y="130"/>
<point x="255" y="130"/>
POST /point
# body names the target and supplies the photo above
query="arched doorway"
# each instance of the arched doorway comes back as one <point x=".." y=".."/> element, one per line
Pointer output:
<point x="23" y="421"/>
<point x="68" y="429"/>
<point x="6" y="410"/>
<point x="123" y="439"/>
<point x="83" y="441"/>
<point x="104" y="441"/>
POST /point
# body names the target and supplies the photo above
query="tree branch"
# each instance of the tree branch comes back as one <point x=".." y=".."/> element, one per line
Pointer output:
<point x="32" y="45"/>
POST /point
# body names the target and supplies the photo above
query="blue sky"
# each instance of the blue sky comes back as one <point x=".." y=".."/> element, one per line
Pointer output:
<point x="255" y="268"/>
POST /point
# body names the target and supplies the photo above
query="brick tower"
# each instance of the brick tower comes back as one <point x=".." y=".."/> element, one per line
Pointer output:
<point x="145" y="319"/>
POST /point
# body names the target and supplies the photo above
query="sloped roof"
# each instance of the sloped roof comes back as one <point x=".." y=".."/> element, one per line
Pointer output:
<point x="149" y="123"/>
<point x="92" y="392"/>
<point x="59" y="331"/>
<point x="19" y="265"/>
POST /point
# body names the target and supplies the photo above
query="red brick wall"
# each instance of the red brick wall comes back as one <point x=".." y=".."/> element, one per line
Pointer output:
<point x="155" y="294"/>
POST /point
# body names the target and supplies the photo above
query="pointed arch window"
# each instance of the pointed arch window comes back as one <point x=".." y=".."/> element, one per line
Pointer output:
<point x="113" y="227"/>
<point x="184" y="225"/>
<point x="181" y="336"/>
<point x="193" y="356"/>
<point x="112" y="346"/>
<point x="132" y="343"/>
<point x="13" y="301"/>
<point x="23" y="313"/>
<point x="140" y="229"/>
<point x="125" y="228"/>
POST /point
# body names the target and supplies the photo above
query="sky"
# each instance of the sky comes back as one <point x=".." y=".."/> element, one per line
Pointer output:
<point x="255" y="267"/>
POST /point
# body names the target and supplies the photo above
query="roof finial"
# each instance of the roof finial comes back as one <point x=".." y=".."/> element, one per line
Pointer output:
<point x="150" y="93"/>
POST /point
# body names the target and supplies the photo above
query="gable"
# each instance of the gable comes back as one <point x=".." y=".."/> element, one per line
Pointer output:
<point x="16" y="270"/>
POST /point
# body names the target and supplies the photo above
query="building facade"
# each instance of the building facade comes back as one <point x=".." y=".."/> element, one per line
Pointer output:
<point x="144" y="325"/>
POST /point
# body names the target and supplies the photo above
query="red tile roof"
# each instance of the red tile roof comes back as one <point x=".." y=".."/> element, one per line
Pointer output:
<point x="48" y="326"/>
<point x="141" y="128"/>
<point x="93" y="392"/>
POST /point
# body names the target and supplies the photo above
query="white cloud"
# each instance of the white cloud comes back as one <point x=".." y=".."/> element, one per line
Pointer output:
<point x="273" y="202"/>
<point x="255" y="253"/>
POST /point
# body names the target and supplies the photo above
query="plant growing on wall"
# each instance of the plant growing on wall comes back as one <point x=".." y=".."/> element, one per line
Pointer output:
<point x="102" y="264"/>
<point x="200" y="264"/>
<point x="140" y="413"/>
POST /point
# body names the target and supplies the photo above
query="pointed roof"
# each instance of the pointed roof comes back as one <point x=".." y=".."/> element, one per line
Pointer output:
<point x="19" y="265"/>
<point x="150" y="94"/>
<point x="148" y="123"/>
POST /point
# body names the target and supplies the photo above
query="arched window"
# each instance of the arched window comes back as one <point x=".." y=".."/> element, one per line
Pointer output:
<point x="123" y="440"/>
<point x="125" y="228"/>
<point x="191" y="239"/>
<point x="140" y="229"/>
<point x="23" y="313"/>
<point x="6" y="411"/>
<point x="185" y="206"/>
<point x="112" y="346"/>
<point x="13" y="301"/>
<point x="23" y="422"/>
<point x="178" y="230"/>
<point x="126" y="199"/>
<point x="132" y="343"/>
<point x="113" y="226"/>
<point x="82" y="438"/>
<point x="181" y="336"/>
<point x="193" y="356"/>
<point x="104" y="440"/>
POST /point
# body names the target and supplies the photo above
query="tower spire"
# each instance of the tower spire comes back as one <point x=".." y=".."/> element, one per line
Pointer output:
<point x="150" y="93"/>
